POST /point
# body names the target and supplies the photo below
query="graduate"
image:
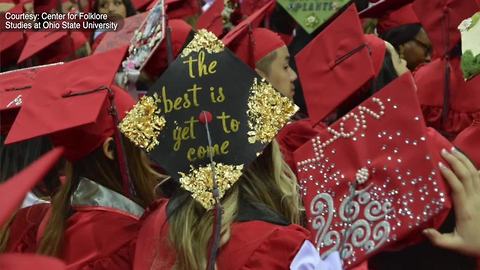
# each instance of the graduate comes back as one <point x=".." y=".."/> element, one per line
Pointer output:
<point x="93" y="219"/>
<point x="450" y="103"/>
<point x="250" y="216"/>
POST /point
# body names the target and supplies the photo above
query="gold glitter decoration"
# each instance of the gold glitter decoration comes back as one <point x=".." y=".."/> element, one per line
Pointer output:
<point x="268" y="111"/>
<point x="142" y="125"/>
<point x="200" y="182"/>
<point x="204" y="40"/>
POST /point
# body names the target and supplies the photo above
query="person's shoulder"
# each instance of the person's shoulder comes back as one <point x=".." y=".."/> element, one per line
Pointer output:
<point x="262" y="245"/>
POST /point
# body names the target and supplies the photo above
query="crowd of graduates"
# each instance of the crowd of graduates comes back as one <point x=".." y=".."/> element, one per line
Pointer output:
<point x="242" y="134"/>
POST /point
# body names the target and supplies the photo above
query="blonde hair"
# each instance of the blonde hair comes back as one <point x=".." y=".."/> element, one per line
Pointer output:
<point x="104" y="171"/>
<point x="268" y="180"/>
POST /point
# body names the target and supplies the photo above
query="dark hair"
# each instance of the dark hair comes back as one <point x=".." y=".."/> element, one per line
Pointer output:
<point x="16" y="157"/>
<point x="128" y="6"/>
<point x="385" y="76"/>
<point x="402" y="34"/>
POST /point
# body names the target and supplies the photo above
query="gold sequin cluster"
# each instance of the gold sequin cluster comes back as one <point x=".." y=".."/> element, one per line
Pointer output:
<point x="204" y="40"/>
<point x="142" y="125"/>
<point x="200" y="182"/>
<point x="268" y="111"/>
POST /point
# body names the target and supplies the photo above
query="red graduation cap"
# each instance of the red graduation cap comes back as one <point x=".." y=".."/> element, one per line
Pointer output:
<point x="377" y="49"/>
<point x="250" y="43"/>
<point x="441" y="18"/>
<point x="181" y="9"/>
<point x="158" y="62"/>
<point x="402" y="16"/>
<point x="15" y="86"/>
<point x="247" y="24"/>
<point x="337" y="62"/>
<point x="380" y="7"/>
<point x="391" y="14"/>
<point x="60" y="44"/>
<point x="121" y="38"/>
<point x="371" y="178"/>
<point x="468" y="141"/>
<point x="212" y="19"/>
<point x="248" y="7"/>
<point x="12" y="42"/>
<point x="72" y="104"/>
<point x="13" y="191"/>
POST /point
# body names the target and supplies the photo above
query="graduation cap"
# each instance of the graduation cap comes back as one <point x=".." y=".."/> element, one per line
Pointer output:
<point x="371" y="179"/>
<point x="181" y="9"/>
<point x="218" y="17"/>
<point x="377" y="51"/>
<point x="440" y="19"/>
<point x="51" y="47"/>
<point x="337" y="61"/>
<point x="12" y="42"/>
<point x="178" y="35"/>
<point x="74" y="110"/>
<point x="13" y="190"/>
<point x="470" y="32"/>
<point x="121" y="38"/>
<point x="468" y="141"/>
<point x="144" y="42"/>
<point x="15" y="86"/>
<point x="207" y="117"/>
<point x="251" y="43"/>
<point x="80" y="110"/>
<point x="311" y="14"/>
<point x="396" y="18"/>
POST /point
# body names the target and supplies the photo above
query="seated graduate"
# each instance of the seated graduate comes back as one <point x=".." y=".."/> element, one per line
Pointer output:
<point x="239" y="204"/>
<point x="93" y="219"/>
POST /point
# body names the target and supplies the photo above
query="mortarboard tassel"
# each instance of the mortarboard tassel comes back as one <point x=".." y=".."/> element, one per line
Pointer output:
<point x="204" y="118"/>
<point x="127" y="185"/>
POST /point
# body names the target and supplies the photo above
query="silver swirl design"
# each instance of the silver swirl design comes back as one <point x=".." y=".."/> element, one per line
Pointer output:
<point x="380" y="233"/>
<point x="321" y="204"/>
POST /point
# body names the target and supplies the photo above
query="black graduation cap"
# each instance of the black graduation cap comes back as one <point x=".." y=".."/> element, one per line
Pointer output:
<point x="207" y="97"/>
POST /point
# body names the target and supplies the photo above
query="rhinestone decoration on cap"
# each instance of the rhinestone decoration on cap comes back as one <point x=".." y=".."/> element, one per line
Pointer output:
<point x="380" y="148"/>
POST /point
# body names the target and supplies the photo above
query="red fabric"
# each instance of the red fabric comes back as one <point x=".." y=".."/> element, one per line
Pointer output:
<point x="253" y="46"/>
<point x="377" y="52"/>
<point x="94" y="239"/>
<point x="441" y="18"/>
<point x="23" y="230"/>
<point x="468" y="141"/>
<point x="84" y="122"/>
<point x="248" y="7"/>
<point x="464" y="105"/>
<point x="182" y="9"/>
<point x="13" y="191"/>
<point x="385" y="143"/>
<point x="158" y="63"/>
<point x="402" y="16"/>
<point x="252" y="244"/>
<point x="212" y="18"/>
<point x="111" y="40"/>
<point x="337" y="53"/>
<point x="29" y="261"/>
<point x="293" y="135"/>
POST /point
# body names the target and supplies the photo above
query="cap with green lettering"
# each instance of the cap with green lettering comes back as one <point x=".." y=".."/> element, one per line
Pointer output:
<point x="208" y="114"/>
<point x="311" y="14"/>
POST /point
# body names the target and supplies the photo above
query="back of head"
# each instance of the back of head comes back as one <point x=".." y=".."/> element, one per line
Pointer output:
<point x="267" y="181"/>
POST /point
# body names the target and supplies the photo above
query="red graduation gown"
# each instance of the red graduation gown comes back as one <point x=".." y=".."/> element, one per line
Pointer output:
<point x="252" y="245"/>
<point x="464" y="103"/>
<point x="97" y="237"/>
